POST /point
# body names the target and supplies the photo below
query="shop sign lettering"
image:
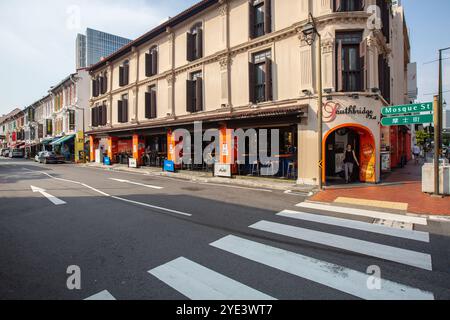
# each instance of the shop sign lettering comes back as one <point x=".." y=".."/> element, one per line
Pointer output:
<point x="333" y="109"/>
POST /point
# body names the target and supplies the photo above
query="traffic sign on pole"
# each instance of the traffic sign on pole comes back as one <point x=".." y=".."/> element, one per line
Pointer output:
<point x="406" y="109"/>
<point x="405" y="120"/>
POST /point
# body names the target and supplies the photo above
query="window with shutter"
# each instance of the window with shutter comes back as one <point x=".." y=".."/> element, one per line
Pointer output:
<point x="260" y="75"/>
<point x="121" y="76"/>
<point x="148" y="65"/>
<point x="153" y="110"/>
<point x="190" y="47"/>
<point x="154" y="60"/>
<point x="124" y="108"/>
<point x="260" y="18"/>
<point x="119" y="111"/>
<point x="348" y="5"/>
<point x="190" y="96"/>
<point x="94" y="91"/>
<point x="198" y="94"/>
<point x="150" y="103"/>
<point x="349" y="70"/>
<point x="104" y="114"/>
<point x="126" y="73"/>
<point x="194" y="44"/>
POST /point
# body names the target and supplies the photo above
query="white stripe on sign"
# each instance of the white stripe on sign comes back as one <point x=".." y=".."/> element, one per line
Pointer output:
<point x="102" y="296"/>
<point x="407" y="257"/>
<point x="334" y="276"/>
<point x="364" y="213"/>
<point x="357" y="225"/>
<point x="199" y="283"/>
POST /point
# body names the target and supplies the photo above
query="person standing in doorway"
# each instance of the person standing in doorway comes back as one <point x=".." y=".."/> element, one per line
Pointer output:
<point x="349" y="163"/>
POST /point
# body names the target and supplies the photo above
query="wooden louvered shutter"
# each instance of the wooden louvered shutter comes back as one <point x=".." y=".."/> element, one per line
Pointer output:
<point x="92" y="118"/>
<point x="251" y="82"/>
<point x="198" y="94"/>
<point x="148" y="105"/>
<point x="153" y="111"/>
<point x="268" y="80"/>
<point x="105" y="115"/>
<point x="125" y="111"/>
<point x="126" y="74"/>
<point x="121" y="82"/>
<point x="268" y="16"/>
<point x="339" y="67"/>
<point x="119" y="111"/>
<point x="154" y="57"/>
<point x="105" y="84"/>
<point x="148" y="67"/>
<point x="94" y="87"/>
<point x="199" y="44"/>
<point x="100" y="85"/>
<point x="190" y="47"/>
<point x="190" y="95"/>
<point x="252" y="21"/>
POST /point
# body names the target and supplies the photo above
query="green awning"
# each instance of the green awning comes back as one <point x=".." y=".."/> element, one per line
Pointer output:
<point x="62" y="140"/>
<point x="48" y="141"/>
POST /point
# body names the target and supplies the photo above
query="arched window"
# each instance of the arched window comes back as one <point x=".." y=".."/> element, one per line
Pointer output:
<point x="151" y="62"/>
<point x="195" y="42"/>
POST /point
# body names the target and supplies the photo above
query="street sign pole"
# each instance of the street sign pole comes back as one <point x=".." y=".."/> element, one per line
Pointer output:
<point x="436" y="145"/>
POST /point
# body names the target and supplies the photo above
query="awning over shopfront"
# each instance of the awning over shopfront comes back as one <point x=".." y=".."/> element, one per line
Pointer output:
<point x="47" y="141"/>
<point x="62" y="140"/>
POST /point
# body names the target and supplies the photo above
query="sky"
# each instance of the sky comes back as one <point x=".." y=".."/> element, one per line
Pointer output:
<point x="38" y="39"/>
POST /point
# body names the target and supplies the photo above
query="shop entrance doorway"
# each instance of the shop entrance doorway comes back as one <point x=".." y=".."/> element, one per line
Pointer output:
<point x="335" y="145"/>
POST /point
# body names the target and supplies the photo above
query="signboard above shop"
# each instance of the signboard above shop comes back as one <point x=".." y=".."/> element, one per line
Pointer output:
<point x="406" y="109"/>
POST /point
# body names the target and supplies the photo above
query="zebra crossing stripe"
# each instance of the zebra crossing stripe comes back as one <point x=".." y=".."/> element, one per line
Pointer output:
<point x="364" y="213"/>
<point x="199" y="283"/>
<point x="331" y="275"/>
<point x="102" y="296"/>
<point x="357" y="225"/>
<point x="407" y="257"/>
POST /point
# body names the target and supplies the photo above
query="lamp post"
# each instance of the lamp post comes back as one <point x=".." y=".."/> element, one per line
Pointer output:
<point x="310" y="32"/>
<point x="438" y="127"/>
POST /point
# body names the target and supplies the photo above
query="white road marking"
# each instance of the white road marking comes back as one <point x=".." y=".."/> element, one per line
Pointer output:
<point x="137" y="184"/>
<point x="357" y="225"/>
<point x="114" y="197"/>
<point x="199" y="283"/>
<point x="331" y="275"/>
<point x="153" y="207"/>
<point x="102" y="296"/>
<point x="364" y="213"/>
<point x="52" y="199"/>
<point x="407" y="257"/>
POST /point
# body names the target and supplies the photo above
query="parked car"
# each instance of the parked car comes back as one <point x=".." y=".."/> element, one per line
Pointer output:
<point x="39" y="154"/>
<point x="17" y="153"/>
<point x="4" y="152"/>
<point x="50" y="157"/>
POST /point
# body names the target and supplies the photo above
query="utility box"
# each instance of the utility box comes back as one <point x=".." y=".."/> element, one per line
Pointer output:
<point x="428" y="179"/>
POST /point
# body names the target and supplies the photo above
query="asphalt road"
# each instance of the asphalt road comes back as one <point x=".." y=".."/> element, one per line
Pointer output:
<point x="154" y="238"/>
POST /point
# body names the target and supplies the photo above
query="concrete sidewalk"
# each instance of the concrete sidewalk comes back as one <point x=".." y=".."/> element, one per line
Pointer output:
<point x="401" y="190"/>
<point x="207" y="177"/>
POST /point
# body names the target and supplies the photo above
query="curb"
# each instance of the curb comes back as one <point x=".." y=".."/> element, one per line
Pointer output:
<point x="291" y="188"/>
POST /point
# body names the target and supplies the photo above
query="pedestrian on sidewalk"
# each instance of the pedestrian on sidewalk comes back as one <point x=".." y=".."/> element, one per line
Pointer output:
<point x="416" y="153"/>
<point x="349" y="163"/>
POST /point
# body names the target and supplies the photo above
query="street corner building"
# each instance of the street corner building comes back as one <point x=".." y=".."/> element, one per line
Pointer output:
<point x="241" y="64"/>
